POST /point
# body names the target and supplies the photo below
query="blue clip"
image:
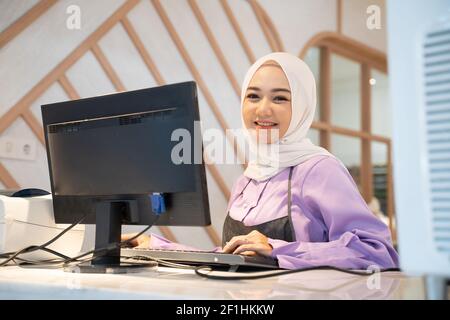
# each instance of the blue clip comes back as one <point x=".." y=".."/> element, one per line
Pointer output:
<point x="158" y="204"/>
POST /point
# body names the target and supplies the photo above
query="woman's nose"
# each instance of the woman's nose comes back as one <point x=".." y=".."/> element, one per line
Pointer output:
<point x="264" y="109"/>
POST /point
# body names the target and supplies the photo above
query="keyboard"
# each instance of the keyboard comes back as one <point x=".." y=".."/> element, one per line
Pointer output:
<point x="208" y="258"/>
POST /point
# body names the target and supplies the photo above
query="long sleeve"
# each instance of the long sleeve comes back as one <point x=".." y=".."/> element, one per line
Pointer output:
<point x="356" y="238"/>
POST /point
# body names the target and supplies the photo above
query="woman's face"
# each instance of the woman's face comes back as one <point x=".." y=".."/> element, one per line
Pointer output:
<point x="267" y="102"/>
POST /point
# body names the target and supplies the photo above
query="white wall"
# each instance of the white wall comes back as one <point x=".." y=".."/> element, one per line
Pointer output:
<point x="38" y="49"/>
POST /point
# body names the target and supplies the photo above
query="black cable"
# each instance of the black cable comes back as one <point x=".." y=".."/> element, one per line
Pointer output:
<point x="39" y="263"/>
<point x="268" y="274"/>
<point x="56" y="253"/>
<point x="51" y="251"/>
<point x="12" y="256"/>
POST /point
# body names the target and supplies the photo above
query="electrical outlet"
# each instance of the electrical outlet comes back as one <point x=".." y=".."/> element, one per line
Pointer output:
<point x="14" y="148"/>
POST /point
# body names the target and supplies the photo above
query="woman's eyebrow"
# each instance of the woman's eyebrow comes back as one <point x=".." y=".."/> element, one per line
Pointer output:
<point x="273" y="90"/>
<point x="281" y="89"/>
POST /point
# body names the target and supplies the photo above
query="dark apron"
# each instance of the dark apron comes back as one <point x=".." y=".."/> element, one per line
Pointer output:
<point x="281" y="228"/>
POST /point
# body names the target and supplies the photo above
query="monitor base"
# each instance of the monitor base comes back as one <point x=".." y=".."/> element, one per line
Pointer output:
<point x="124" y="267"/>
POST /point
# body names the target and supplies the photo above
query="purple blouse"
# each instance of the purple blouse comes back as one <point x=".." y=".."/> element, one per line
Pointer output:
<point x="332" y="222"/>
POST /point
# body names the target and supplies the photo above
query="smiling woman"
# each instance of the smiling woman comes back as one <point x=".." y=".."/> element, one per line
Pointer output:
<point x="267" y="103"/>
<point x="300" y="205"/>
<point x="280" y="93"/>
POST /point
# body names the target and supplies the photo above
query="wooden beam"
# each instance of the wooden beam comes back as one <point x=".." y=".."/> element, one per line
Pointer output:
<point x="366" y="118"/>
<point x="319" y="125"/>
<point x="34" y="125"/>
<point x="213" y="235"/>
<point x="339" y="16"/>
<point x="358" y="134"/>
<point x="357" y="55"/>
<point x="167" y="233"/>
<point x="348" y="132"/>
<point x="366" y="154"/>
<point x="68" y="87"/>
<point x="215" y="46"/>
<point x="218" y="178"/>
<point x="238" y="31"/>
<point x="24" y="21"/>
<point x="107" y="67"/>
<point x="349" y="48"/>
<point x="390" y="195"/>
<point x="366" y="170"/>
<point x="7" y="179"/>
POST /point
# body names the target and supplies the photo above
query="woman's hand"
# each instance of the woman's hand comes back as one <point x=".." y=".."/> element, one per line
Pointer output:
<point x="143" y="241"/>
<point x="253" y="243"/>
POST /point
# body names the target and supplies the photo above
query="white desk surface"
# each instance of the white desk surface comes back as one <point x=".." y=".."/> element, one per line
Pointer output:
<point x="169" y="283"/>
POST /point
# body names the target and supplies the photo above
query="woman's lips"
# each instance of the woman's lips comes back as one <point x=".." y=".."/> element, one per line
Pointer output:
<point x="265" y="124"/>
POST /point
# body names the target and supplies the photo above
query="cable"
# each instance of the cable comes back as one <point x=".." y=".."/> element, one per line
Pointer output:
<point x="12" y="256"/>
<point x="163" y="262"/>
<point x="109" y="247"/>
<point x="26" y="263"/>
<point x="280" y="273"/>
<point x="65" y="261"/>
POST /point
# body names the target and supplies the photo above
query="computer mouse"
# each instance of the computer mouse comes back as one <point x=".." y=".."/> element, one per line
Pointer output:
<point x="30" y="192"/>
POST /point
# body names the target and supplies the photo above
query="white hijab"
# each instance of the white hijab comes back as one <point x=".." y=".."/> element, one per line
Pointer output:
<point x="293" y="148"/>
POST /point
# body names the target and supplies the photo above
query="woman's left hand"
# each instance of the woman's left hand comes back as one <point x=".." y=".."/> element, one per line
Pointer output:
<point x="253" y="243"/>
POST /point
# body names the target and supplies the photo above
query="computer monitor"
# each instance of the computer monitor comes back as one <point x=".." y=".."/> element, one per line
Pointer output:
<point x="419" y="74"/>
<point x="108" y="155"/>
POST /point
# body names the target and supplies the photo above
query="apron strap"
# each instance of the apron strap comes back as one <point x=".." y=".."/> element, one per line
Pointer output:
<point x="290" y="204"/>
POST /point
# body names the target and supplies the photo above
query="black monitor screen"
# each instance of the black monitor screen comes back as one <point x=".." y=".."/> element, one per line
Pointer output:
<point x="120" y="147"/>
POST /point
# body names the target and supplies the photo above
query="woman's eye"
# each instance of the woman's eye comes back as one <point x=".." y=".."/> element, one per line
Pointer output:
<point x="280" y="98"/>
<point x="252" y="96"/>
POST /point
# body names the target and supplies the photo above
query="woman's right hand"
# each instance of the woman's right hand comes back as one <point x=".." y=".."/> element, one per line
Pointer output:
<point x="143" y="241"/>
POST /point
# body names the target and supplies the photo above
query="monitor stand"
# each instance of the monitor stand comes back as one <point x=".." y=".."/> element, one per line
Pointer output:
<point x="108" y="229"/>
